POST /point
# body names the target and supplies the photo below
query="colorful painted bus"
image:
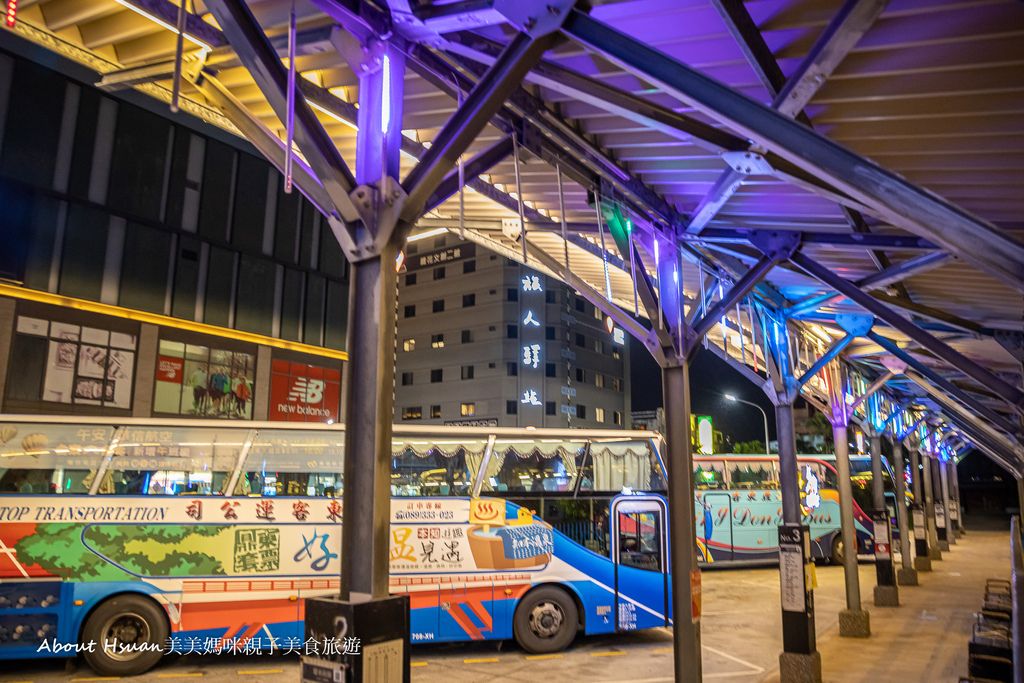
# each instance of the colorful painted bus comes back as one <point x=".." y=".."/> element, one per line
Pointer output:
<point x="208" y="535"/>
<point x="119" y="538"/>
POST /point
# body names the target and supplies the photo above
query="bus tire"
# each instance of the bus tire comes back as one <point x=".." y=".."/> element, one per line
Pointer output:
<point x="135" y="625"/>
<point x="836" y="557"/>
<point x="546" y="620"/>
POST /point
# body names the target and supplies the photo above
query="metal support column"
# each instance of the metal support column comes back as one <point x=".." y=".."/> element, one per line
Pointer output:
<point x="853" y="621"/>
<point x="905" y="575"/>
<point x="800" y="659"/>
<point x="927" y="487"/>
<point x="686" y="627"/>
<point x="941" y="516"/>
<point x="923" y="559"/>
<point x="957" y="501"/>
<point x="886" y="592"/>
<point x="946" y="501"/>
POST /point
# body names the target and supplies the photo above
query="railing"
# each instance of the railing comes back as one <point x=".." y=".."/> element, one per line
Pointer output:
<point x="1017" y="592"/>
<point x="590" y="535"/>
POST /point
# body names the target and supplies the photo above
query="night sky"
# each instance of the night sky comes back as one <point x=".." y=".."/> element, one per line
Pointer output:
<point x="710" y="378"/>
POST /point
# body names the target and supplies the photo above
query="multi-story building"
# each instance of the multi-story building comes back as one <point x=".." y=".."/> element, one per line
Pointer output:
<point x="153" y="266"/>
<point x="482" y="340"/>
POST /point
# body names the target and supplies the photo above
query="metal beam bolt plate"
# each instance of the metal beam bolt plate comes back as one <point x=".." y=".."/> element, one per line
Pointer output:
<point x="748" y="163"/>
<point x="855" y="325"/>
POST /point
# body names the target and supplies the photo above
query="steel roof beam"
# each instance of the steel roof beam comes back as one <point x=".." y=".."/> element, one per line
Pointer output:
<point x="1010" y="394"/>
<point x="891" y="196"/>
<point x="263" y="63"/>
<point x="878" y="280"/>
<point x="481" y="163"/>
<point x="462" y="129"/>
<point x="940" y="381"/>
<point x="789" y="96"/>
<point x="264" y="140"/>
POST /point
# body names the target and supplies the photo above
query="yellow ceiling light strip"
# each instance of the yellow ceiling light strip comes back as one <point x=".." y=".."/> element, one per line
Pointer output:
<point x="164" y="321"/>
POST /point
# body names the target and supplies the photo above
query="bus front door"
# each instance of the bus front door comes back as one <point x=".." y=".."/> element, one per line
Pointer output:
<point x="639" y="538"/>
<point x="714" y="526"/>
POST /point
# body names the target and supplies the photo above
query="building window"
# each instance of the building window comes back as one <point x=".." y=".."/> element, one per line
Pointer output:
<point x="598" y="314"/>
<point x="410" y="311"/>
<point x="207" y="382"/>
<point x="435" y="412"/>
<point x="468" y="409"/>
<point x="513" y="294"/>
<point x="581" y="375"/>
<point x="467" y="337"/>
<point x="616" y="384"/>
<point x="410" y="279"/>
<point x="599" y="414"/>
<point x="64" y="363"/>
<point x="550" y="370"/>
<point x="549" y="332"/>
<point x="437" y="341"/>
<point x="412" y="413"/>
<point x="550" y="408"/>
<point x="468" y="267"/>
<point x="550" y="296"/>
<point x="468" y="300"/>
<point x="439" y="306"/>
<point x="581" y="305"/>
<point x="511" y="407"/>
<point x="581" y="412"/>
<point x="599" y="380"/>
<point x="409" y="345"/>
<point x="439" y="273"/>
<point x="406" y="379"/>
<point x="581" y="341"/>
<point x="617" y="352"/>
<point x="436" y="376"/>
<point x="599" y="346"/>
<point x="467" y="372"/>
<point x="617" y="417"/>
<point x="512" y="369"/>
<point x="512" y="332"/>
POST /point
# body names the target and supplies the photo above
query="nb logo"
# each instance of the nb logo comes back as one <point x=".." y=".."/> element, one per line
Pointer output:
<point x="307" y="391"/>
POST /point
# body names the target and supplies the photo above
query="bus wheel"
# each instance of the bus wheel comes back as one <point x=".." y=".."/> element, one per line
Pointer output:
<point x="129" y="632"/>
<point x="837" y="550"/>
<point x="545" y="621"/>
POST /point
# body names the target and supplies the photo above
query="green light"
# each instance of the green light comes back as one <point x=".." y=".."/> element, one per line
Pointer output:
<point x="707" y="476"/>
<point x="629" y="225"/>
<point x="705" y="435"/>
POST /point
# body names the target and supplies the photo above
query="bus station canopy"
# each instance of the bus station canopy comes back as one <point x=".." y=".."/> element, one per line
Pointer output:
<point x="832" y="159"/>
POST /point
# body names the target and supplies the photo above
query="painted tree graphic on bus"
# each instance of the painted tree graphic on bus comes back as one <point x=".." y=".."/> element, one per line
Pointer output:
<point x="146" y="550"/>
<point x="58" y="548"/>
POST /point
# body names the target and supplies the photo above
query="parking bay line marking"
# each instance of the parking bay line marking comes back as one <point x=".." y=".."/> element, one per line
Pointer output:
<point x="419" y="663"/>
<point x="606" y="654"/>
<point x="192" y="675"/>
<point x="533" y="657"/>
<point x="96" y="678"/>
<point x="479" y="661"/>
<point x="253" y="672"/>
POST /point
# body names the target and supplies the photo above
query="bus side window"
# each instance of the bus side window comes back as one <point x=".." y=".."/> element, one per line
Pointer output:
<point x="638" y="541"/>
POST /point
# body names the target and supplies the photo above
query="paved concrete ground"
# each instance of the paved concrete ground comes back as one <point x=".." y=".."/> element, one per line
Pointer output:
<point x="741" y="637"/>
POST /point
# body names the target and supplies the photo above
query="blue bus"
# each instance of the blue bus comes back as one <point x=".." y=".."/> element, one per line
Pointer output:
<point x="124" y="539"/>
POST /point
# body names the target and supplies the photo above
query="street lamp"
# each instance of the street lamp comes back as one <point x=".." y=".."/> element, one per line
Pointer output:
<point x="767" y="447"/>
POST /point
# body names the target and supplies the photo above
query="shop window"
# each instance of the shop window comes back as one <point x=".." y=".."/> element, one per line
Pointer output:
<point x="204" y="381"/>
<point x="65" y="363"/>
